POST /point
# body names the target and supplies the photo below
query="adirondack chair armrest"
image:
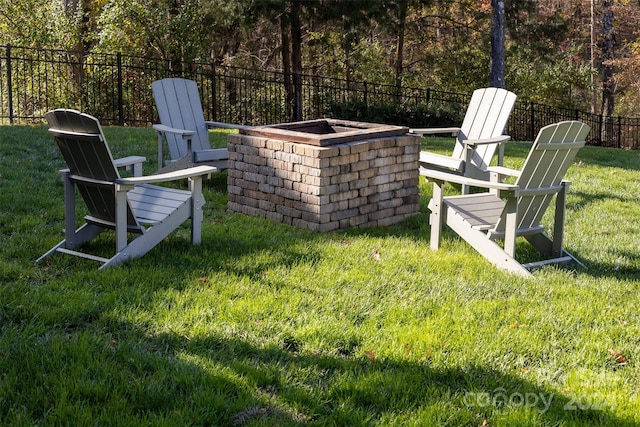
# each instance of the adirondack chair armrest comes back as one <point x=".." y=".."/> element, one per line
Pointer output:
<point x="166" y="129"/>
<point x="497" y="140"/>
<point x="440" y="176"/>
<point x="221" y="125"/>
<point x="132" y="164"/>
<point x="471" y="144"/>
<point x="168" y="176"/>
<point x="129" y="160"/>
<point x="433" y="131"/>
<point x="498" y="173"/>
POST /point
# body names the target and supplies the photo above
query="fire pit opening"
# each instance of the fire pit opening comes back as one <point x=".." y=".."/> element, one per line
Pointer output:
<point x="324" y="132"/>
<point x="325" y="174"/>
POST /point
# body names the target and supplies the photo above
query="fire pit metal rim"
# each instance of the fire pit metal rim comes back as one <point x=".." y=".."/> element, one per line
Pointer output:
<point x="325" y="132"/>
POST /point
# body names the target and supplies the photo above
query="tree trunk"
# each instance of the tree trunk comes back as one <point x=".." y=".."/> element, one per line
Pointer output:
<point x="496" y="76"/>
<point x="285" y="32"/>
<point x="402" y="22"/>
<point x="594" y="92"/>
<point x="75" y="59"/>
<point x="608" y="45"/>
<point x="296" y="58"/>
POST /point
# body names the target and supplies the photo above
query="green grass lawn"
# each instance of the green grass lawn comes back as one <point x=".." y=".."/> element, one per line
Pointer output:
<point x="266" y="324"/>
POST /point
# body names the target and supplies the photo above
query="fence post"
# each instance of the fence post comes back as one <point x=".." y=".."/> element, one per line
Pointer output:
<point x="600" y="129"/>
<point x="9" y="85"/>
<point x="120" y="96"/>
<point x="532" y="128"/>
<point x="214" y="98"/>
<point x="365" y="96"/>
<point x="619" y="132"/>
<point x="297" y="96"/>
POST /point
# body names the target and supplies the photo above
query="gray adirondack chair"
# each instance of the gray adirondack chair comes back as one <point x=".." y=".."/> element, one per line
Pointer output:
<point x="480" y="134"/>
<point x="511" y="210"/>
<point x="183" y="127"/>
<point x="126" y="205"/>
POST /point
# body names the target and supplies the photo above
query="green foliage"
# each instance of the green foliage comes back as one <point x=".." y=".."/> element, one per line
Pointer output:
<point x="176" y="31"/>
<point x="561" y="82"/>
<point x="413" y="116"/>
<point x="445" y="43"/>
<point x="266" y="324"/>
<point x="35" y="23"/>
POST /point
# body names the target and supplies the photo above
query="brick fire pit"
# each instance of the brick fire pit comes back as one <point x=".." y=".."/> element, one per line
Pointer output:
<point x="325" y="174"/>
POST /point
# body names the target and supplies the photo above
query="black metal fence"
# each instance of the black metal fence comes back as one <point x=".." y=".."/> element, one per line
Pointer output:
<point x="116" y="89"/>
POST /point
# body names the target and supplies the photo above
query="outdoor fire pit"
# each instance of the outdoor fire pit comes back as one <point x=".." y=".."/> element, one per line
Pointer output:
<point x="325" y="174"/>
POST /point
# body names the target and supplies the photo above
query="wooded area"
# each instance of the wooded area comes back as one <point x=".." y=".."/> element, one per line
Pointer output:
<point x="581" y="54"/>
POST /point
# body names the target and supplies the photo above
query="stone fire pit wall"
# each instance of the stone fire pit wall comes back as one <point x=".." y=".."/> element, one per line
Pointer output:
<point x="353" y="184"/>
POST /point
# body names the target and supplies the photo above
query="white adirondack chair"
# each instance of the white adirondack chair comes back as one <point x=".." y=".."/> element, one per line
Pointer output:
<point x="512" y="210"/>
<point x="183" y="127"/>
<point x="126" y="205"/>
<point x="478" y="136"/>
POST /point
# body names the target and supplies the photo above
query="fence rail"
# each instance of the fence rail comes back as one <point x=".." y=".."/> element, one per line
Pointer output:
<point x="116" y="89"/>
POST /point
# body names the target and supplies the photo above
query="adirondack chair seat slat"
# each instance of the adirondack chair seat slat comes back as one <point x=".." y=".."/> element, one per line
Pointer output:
<point x="152" y="204"/>
<point x="482" y="218"/>
<point x="126" y="205"/>
<point x="481" y="212"/>
<point x="158" y="196"/>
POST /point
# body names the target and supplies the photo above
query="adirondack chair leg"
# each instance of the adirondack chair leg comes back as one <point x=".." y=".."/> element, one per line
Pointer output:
<point x="69" y="210"/>
<point x="74" y="238"/>
<point x="121" y="217"/>
<point x="189" y="141"/>
<point x="160" y="150"/>
<point x="511" y="211"/>
<point x="437" y="210"/>
<point x="494" y="177"/>
<point x="197" y="201"/>
<point x="558" y="225"/>
<point x="136" y="169"/>
<point x="468" y="153"/>
<point x="500" y="153"/>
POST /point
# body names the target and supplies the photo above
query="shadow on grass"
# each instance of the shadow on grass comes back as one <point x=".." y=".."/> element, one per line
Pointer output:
<point x="245" y="384"/>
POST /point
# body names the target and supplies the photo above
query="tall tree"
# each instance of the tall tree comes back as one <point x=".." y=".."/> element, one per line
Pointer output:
<point x="496" y="76"/>
<point x="608" y="45"/>
<point x="402" y="23"/>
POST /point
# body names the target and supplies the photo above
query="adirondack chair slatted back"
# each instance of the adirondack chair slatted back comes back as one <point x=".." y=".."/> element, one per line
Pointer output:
<point x="486" y="117"/>
<point x="83" y="146"/>
<point x="179" y="106"/>
<point x="546" y="165"/>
